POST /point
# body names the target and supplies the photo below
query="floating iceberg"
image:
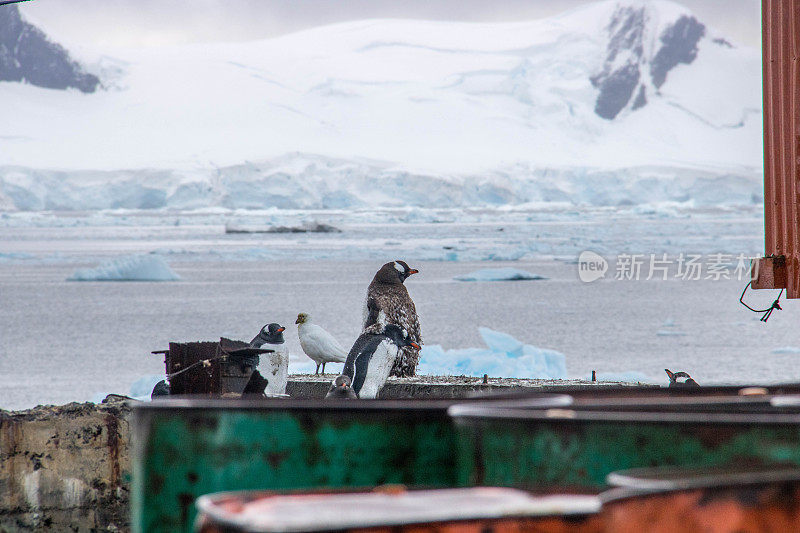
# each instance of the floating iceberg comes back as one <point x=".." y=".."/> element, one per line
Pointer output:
<point x="786" y="349"/>
<point x="504" y="356"/>
<point x="498" y="274"/>
<point x="128" y="268"/>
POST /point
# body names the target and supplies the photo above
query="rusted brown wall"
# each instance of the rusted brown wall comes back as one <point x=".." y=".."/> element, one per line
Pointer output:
<point x="781" y="79"/>
<point x="65" y="468"/>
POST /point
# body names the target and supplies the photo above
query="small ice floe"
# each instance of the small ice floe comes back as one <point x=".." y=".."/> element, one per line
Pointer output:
<point x="786" y="349"/>
<point x="499" y="274"/>
<point x="128" y="268"/>
<point x="504" y="356"/>
<point x="668" y="329"/>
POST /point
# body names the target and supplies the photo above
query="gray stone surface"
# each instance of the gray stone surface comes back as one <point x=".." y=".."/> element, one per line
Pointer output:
<point x="65" y="468"/>
<point x="622" y="80"/>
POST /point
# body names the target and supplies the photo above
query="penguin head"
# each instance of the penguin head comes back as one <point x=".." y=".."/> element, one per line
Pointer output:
<point x="399" y="336"/>
<point x="302" y="318"/>
<point x="342" y="382"/>
<point x="272" y="334"/>
<point x="675" y="376"/>
<point x="394" y="273"/>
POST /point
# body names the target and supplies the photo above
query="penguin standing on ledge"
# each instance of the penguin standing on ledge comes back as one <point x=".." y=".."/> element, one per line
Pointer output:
<point x="341" y="388"/>
<point x="275" y="365"/>
<point x="388" y="302"/>
<point x="371" y="358"/>
<point x="675" y="376"/>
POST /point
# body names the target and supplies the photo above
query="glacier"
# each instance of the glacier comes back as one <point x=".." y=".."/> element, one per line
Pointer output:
<point x="386" y="113"/>
<point x="141" y="267"/>
<point x="504" y="356"/>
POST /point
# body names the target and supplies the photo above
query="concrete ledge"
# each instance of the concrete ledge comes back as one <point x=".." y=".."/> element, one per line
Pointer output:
<point x="420" y="387"/>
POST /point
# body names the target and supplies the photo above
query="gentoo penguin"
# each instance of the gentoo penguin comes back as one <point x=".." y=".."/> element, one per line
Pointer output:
<point x="674" y="383"/>
<point x="371" y="358"/>
<point x="388" y="302"/>
<point x="275" y="365"/>
<point x="317" y="343"/>
<point x="341" y="388"/>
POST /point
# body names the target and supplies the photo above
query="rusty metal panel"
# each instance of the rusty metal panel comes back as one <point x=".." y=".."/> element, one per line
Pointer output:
<point x="781" y="80"/>
<point x="739" y="498"/>
<point x="201" y="378"/>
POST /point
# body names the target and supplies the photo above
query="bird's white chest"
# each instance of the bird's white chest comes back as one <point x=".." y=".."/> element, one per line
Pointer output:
<point x="275" y="367"/>
<point x="380" y="365"/>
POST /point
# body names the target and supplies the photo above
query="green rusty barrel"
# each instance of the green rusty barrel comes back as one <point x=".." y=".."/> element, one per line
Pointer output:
<point x="186" y="448"/>
<point x="576" y="448"/>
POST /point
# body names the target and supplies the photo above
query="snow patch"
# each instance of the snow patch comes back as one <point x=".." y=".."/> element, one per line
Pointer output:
<point x="504" y="356"/>
<point x="128" y="268"/>
<point x="498" y="274"/>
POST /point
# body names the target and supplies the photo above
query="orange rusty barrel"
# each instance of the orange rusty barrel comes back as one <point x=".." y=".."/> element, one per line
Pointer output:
<point x="395" y="510"/>
<point x="677" y="500"/>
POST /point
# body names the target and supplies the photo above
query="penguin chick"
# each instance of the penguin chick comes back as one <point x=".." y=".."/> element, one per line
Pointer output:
<point x="371" y="358"/>
<point x="341" y="388"/>
<point x="674" y="383"/>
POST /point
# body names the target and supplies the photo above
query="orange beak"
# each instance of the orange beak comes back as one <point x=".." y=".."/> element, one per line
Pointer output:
<point x="412" y="271"/>
<point x="415" y="345"/>
<point x="281" y="329"/>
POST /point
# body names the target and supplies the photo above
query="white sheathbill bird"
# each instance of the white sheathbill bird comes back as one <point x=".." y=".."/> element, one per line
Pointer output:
<point x="317" y="343"/>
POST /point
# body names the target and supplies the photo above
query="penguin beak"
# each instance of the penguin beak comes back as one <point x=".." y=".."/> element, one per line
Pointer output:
<point x="413" y="271"/>
<point x="280" y="329"/>
<point x="415" y="345"/>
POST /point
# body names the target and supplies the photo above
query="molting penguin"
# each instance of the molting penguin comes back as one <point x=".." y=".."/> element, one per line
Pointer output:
<point x="371" y="358"/>
<point x="388" y="302"/>
<point x="674" y="383"/>
<point x="317" y="343"/>
<point x="275" y="365"/>
<point x="341" y="388"/>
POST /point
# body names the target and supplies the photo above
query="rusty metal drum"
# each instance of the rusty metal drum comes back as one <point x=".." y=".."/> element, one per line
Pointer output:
<point x="395" y="510"/>
<point x="718" y="500"/>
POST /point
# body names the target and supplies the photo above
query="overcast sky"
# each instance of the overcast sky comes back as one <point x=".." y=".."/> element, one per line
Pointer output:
<point x="157" y="22"/>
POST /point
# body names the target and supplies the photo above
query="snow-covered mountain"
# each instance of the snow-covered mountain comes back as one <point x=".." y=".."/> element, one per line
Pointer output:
<point x="618" y="102"/>
<point x="28" y="56"/>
